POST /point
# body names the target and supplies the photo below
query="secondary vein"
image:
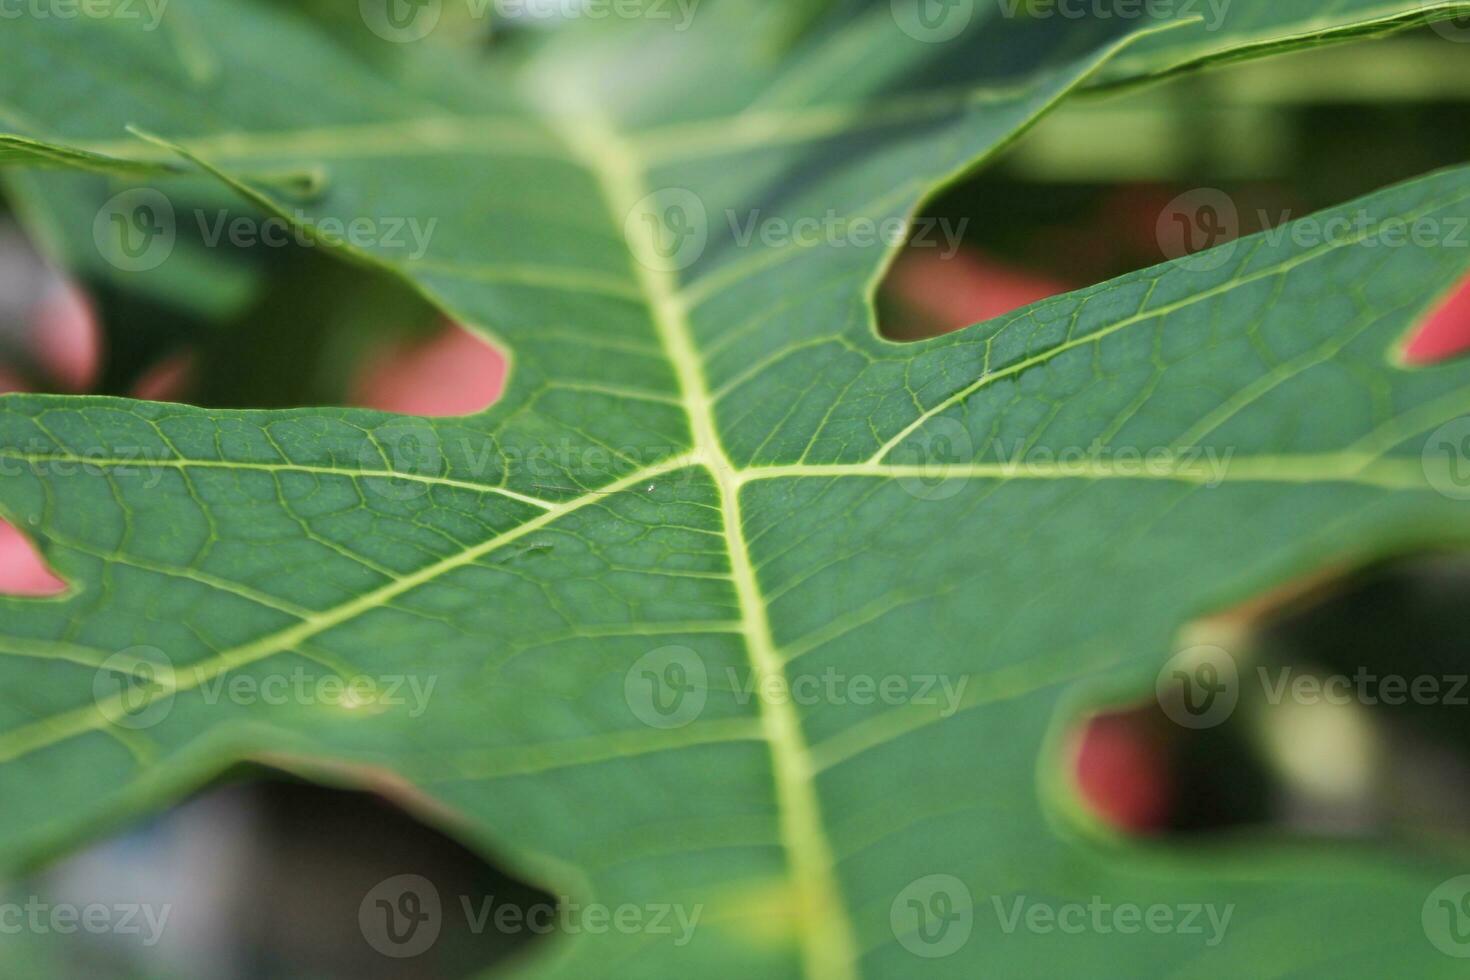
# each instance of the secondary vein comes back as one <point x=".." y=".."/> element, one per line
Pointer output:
<point x="38" y="735"/>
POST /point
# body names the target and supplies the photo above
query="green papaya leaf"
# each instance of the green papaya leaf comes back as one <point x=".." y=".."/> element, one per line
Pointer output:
<point x="730" y="612"/>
